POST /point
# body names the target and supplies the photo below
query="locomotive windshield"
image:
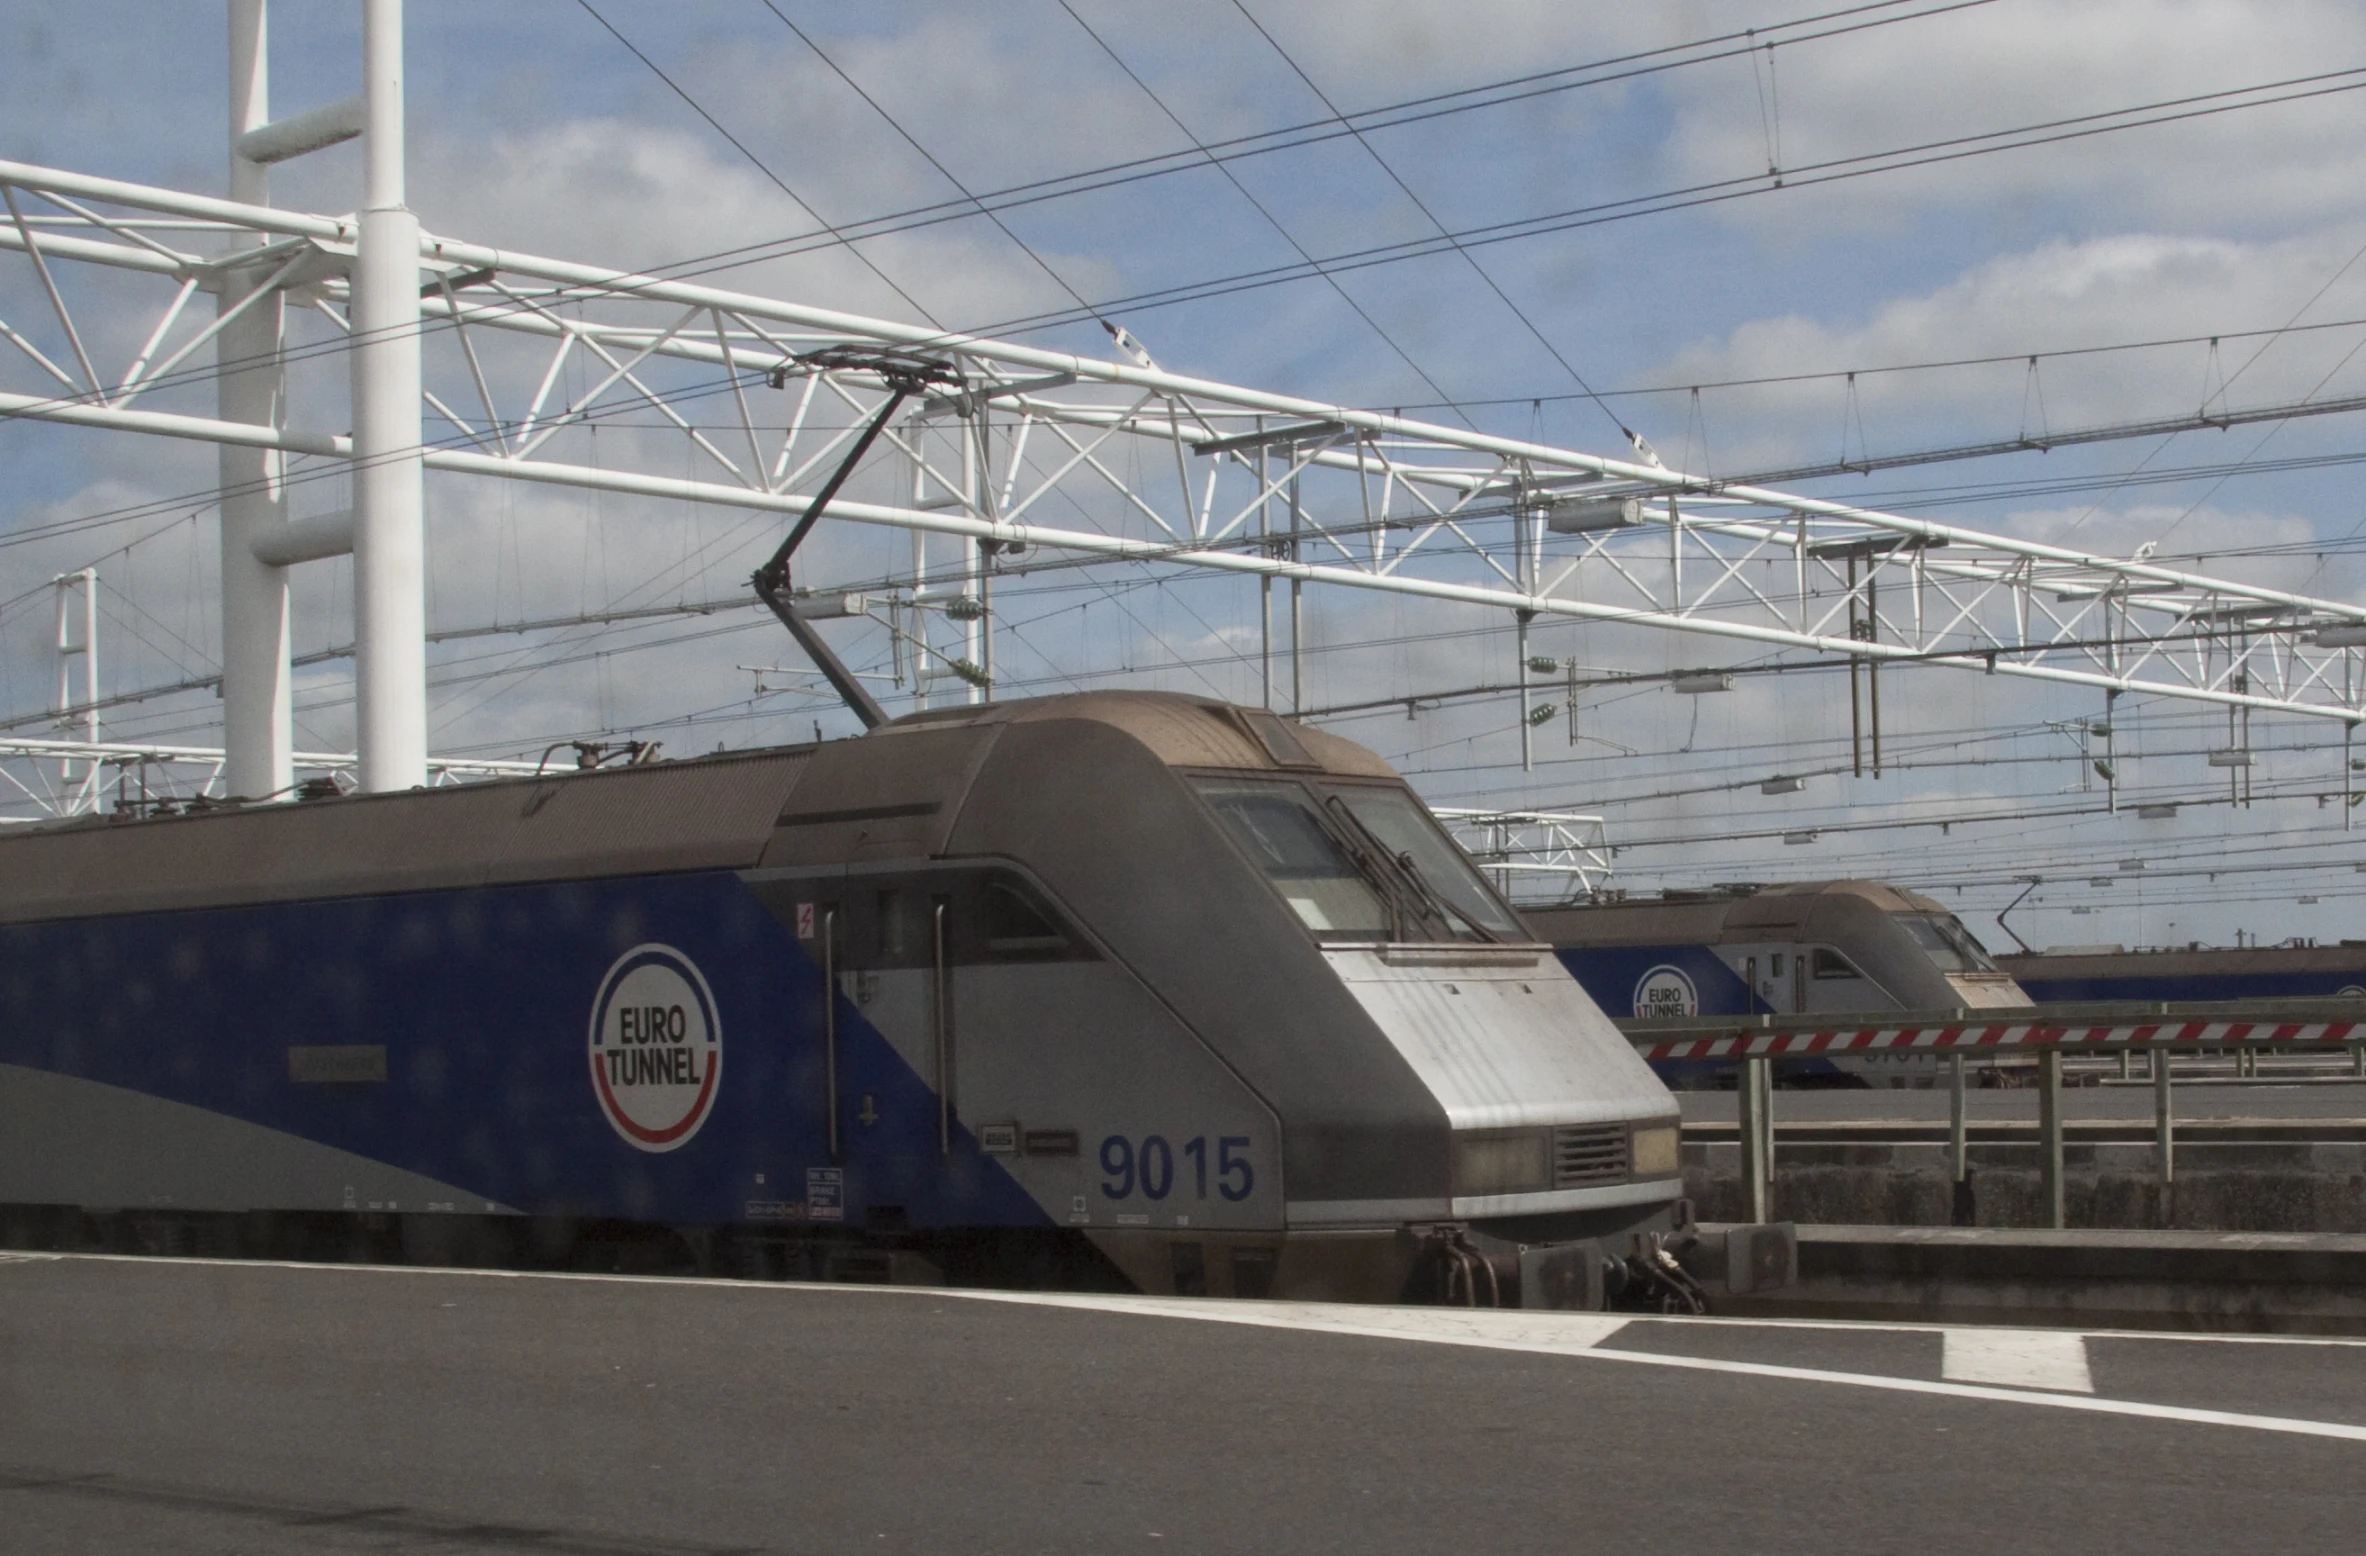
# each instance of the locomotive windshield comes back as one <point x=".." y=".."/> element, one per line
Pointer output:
<point x="1279" y="826"/>
<point x="1370" y="867"/>
<point x="1950" y="945"/>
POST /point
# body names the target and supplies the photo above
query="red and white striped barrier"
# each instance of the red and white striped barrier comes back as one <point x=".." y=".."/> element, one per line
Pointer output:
<point x="1744" y="1044"/>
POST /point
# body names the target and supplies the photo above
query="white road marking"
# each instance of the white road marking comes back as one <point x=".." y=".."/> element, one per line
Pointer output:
<point x="1517" y="1329"/>
<point x="1457" y="1327"/>
<point x="1567" y="1334"/>
<point x="2017" y="1358"/>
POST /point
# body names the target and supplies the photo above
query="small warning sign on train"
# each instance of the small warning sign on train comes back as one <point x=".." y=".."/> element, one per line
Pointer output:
<point x="825" y="1193"/>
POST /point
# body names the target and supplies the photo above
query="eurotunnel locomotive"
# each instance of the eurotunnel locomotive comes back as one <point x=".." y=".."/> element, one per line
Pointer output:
<point x="1117" y="988"/>
<point x="1803" y="948"/>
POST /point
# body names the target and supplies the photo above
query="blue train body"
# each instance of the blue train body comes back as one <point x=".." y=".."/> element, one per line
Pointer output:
<point x="476" y="1003"/>
<point x="1686" y="980"/>
<point x="2249" y="973"/>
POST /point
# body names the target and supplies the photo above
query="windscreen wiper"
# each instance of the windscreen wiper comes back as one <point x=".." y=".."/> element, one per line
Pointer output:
<point x="1434" y="903"/>
<point x="1365" y="853"/>
<point x="1408" y="896"/>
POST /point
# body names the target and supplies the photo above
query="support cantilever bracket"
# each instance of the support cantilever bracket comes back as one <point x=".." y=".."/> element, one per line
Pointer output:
<point x="905" y="374"/>
<point x="2034" y="883"/>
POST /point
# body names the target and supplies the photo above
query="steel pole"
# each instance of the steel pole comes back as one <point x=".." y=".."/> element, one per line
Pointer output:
<point x="2164" y="1121"/>
<point x="1297" y="613"/>
<point x="389" y="600"/>
<point x="1520" y="620"/>
<point x="257" y="727"/>
<point x="921" y="668"/>
<point x="973" y="635"/>
<point x="2049" y="1128"/>
<point x="1958" y="1142"/>
<point x="1755" y="1093"/>
<point x="1265" y="581"/>
<point x="69" y="586"/>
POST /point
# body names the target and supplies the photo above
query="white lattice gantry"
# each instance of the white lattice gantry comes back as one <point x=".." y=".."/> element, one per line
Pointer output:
<point x="1139" y="465"/>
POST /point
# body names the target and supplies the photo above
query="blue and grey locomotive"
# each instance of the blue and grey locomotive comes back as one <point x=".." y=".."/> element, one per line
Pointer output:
<point x="1106" y="986"/>
<point x="1798" y="949"/>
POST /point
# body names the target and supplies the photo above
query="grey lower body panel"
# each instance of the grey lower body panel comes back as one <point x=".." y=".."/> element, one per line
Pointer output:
<point x="69" y="1141"/>
<point x="1380" y="1212"/>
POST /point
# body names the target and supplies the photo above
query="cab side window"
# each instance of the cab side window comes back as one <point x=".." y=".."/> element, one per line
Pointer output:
<point x="1831" y="964"/>
<point x="1017" y="927"/>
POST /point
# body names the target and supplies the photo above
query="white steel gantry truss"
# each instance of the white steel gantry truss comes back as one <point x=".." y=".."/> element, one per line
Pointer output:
<point x="62" y="777"/>
<point x="1534" y="854"/>
<point x="1030" y="458"/>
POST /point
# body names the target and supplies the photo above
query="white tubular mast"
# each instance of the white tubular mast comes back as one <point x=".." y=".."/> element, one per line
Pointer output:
<point x="256" y="725"/>
<point x="78" y="606"/>
<point x="1142" y="465"/>
<point x="389" y="550"/>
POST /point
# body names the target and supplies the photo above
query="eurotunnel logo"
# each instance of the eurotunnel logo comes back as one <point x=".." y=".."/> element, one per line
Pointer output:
<point x="1667" y="991"/>
<point x="656" y="1047"/>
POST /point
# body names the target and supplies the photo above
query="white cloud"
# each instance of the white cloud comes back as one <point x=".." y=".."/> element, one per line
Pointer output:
<point x="613" y="192"/>
<point x="2060" y="295"/>
<point x="2001" y="66"/>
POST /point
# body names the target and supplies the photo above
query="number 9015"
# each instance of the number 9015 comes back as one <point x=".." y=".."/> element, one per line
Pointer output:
<point x="1149" y="1168"/>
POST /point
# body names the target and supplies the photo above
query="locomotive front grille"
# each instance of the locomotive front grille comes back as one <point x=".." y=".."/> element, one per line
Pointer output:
<point x="1589" y="1153"/>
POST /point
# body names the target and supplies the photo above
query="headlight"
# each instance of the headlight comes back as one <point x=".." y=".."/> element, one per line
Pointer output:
<point x="1654" y="1153"/>
<point x="1503" y="1164"/>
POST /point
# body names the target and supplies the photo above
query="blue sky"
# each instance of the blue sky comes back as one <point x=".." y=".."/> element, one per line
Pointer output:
<point x="533" y="126"/>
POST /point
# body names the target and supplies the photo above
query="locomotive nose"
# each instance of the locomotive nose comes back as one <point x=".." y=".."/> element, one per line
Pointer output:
<point x="1551" y="1112"/>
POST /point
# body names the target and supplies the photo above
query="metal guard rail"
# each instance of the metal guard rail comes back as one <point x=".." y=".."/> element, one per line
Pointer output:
<point x="2316" y="1023"/>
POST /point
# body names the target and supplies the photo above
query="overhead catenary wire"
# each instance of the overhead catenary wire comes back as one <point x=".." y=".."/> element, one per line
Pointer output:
<point x="1256" y="204"/>
<point x="1838" y="374"/>
<point x="1461" y="250"/>
<point x="930" y="157"/>
<point x="2252" y="361"/>
<point x="759" y="164"/>
<point x="2022" y="138"/>
<point x="1714" y="192"/>
<point x="1614" y="70"/>
<point x="1723" y="191"/>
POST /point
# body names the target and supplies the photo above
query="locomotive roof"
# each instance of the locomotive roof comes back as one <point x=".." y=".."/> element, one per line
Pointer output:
<point x="894" y="789"/>
<point x="1705" y="919"/>
<point x="1185" y="731"/>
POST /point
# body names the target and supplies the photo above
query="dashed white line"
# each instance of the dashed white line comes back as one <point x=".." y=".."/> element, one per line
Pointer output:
<point x="2017" y="1358"/>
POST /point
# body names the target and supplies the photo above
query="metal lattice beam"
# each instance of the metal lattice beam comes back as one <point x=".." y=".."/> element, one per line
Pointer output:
<point x="1164" y="468"/>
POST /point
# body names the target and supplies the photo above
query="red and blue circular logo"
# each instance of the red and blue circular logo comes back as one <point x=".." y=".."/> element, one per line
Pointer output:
<point x="656" y="1047"/>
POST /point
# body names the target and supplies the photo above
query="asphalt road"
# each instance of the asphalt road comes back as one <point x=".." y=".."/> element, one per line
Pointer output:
<point x="182" y="1406"/>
